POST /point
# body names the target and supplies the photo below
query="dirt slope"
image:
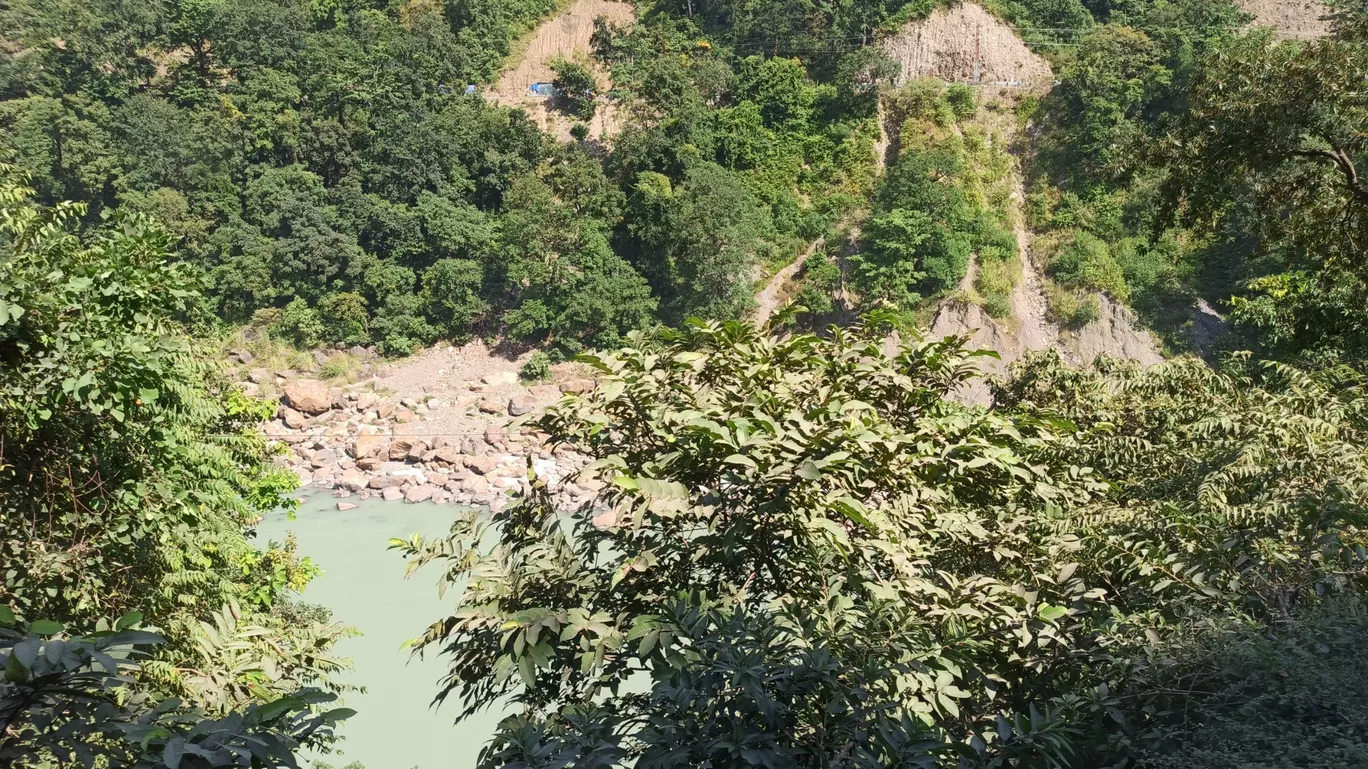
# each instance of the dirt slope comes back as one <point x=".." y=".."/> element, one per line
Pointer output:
<point x="566" y="36"/>
<point x="965" y="43"/>
<point x="778" y="289"/>
<point x="1291" y="18"/>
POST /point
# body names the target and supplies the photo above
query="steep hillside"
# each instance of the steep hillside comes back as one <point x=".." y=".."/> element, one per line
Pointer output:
<point x="1291" y="18"/>
<point x="565" y="36"/>
<point x="965" y="43"/>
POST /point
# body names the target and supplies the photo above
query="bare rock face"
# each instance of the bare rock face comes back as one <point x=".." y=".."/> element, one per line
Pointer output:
<point x="308" y="395"/>
<point x="521" y="404"/>
<point x="576" y="386"/>
<point x="352" y="480"/>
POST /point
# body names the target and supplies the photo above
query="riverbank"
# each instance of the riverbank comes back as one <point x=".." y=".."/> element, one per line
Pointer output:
<point x="445" y="426"/>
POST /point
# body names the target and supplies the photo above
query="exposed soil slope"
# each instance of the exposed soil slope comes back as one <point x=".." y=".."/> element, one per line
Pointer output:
<point x="1291" y="18"/>
<point x="779" y="287"/>
<point x="965" y="43"/>
<point x="566" y="36"/>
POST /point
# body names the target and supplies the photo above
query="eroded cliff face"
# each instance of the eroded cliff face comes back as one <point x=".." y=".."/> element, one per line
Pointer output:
<point x="965" y="43"/>
<point x="1290" y="18"/>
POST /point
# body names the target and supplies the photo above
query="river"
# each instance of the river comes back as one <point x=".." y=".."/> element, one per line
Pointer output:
<point x="363" y="583"/>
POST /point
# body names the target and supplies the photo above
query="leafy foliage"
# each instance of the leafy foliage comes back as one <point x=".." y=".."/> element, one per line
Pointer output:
<point x="76" y="699"/>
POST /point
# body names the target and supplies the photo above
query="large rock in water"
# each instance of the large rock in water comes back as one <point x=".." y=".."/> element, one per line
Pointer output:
<point x="308" y="395"/>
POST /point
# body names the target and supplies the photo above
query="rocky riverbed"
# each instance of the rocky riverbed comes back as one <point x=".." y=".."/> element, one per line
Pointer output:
<point x="456" y="441"/>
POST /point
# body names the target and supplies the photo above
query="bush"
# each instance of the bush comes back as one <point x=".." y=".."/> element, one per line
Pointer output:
<point x="1086" y="263"/>
<point x="579" y="132"/>
<point x="537" y="368"/>
<point x="1071" y="309"/>
<point x="344" y="319"/>
<point x="299" y="324"/>
<point x="962" y="100"/>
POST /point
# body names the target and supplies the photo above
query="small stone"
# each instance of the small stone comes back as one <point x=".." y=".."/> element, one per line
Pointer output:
<point x="429" y="455"/>
<point x="324" y="458"/>
<point x="371" y="445"/>
<point x="364" y="401"/>
<point x="491" y="407"/>
<point x="305" y="477"/>
<point x="408" y="403"/>
<point x="420" y="493"/>
<point x="544" y="392"/>
<point x="441" y="497"/>
<point x="494" y="435"/>
<point x="308" y="395"/>
<point x="259" y="376"/>
<point x="416" y="453"/>
<point x="344" y="506"/>
<point x="576" y="386"/>
<point x="241" y="356"/>
<point x="449" y="454"/>
<point x="392" y="494"/>
<point x="476" y="485"/>
<point x="339" y="398"/>
<point x="500" y="379"/>
<point x="352" y="480"/>
<point x="384" y="482"/>
<point x="385" y="408"/>
<point x="400" y="448"/>
<point x="369" y="463"/>
<point x="404" y="416"/>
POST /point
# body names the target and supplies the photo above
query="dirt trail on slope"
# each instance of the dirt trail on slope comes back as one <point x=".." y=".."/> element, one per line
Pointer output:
<point x="965" y="43"/>
<point x="1028" y="303"/>
<point x="1300" y="19"/>
<point x="565" y="36"/>
<point x="769" y="298"/>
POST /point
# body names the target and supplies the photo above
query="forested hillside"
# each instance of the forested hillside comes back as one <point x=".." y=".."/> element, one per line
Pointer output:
<point x="799" y="532"/>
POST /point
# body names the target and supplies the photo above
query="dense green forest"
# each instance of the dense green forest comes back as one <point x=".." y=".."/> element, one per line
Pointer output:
<point x="807" y="551"/>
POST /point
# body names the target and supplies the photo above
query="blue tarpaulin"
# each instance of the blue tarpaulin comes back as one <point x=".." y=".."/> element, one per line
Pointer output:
<point x="542" y="89"/>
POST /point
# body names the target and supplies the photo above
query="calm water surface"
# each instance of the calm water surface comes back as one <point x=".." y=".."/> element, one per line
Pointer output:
<point x="396" y="727"/>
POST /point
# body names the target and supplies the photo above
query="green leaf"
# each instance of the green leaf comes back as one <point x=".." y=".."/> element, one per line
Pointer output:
<point x="6" y="616"/>
<point x="128" y="620"/>
<point x="1051" y="613"/>
<point x="46" y="627"/>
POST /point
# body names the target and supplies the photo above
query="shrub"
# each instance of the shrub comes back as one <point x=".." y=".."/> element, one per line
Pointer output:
<point x="537" y="368"/>
<point x="344" y="318"/>
<point x="1071" y="309"/>
<point x="1086" y="263"/>
<point x="962" y="100"/>
<point x="299" y="324"/>
<point x="579" y="132"/>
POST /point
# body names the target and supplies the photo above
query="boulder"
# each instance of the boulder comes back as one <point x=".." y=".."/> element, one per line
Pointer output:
<point x="359" y="352"/>
<point x="418" y="451"/>
<point x="305" y="477"/>
<point x="320" y="357"/>
<point x="544" y="392"/>
<point x="576" y="386"/>
<point x="392" y="494"/>
<point x="404" y="416"/>
<point x="488" y="406"/>
<point x="352" y="480"/>
<point x="420" y="493"/>
<point x="369" y="463"/>
<point x="259" y="376"/>
<point x="324" y="458"/>
<point x="481" y="465"/>
<point x="494" y="435"/>
<point x="366" y="400"/>
<point x="475" y="485"/>
<point x="293" y="419"/>
<point x="307" y="395"/>
<point x="521" y="404"/>
<point x="344" y="506"/>
<point x="399" y="449"/>
<point x="384" y="482"/>
<point x="449" y="454"/>
<point x="385" y="409"/>
<point x="241" y="356"/>
<point x="339" y="398"/>
<point x="500" y="379"/>
<point x="441" y="497"/>
<point x="370" y="445"/>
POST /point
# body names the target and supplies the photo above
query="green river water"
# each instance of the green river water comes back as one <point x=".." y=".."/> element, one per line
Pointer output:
<point x="395" y="727"/>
